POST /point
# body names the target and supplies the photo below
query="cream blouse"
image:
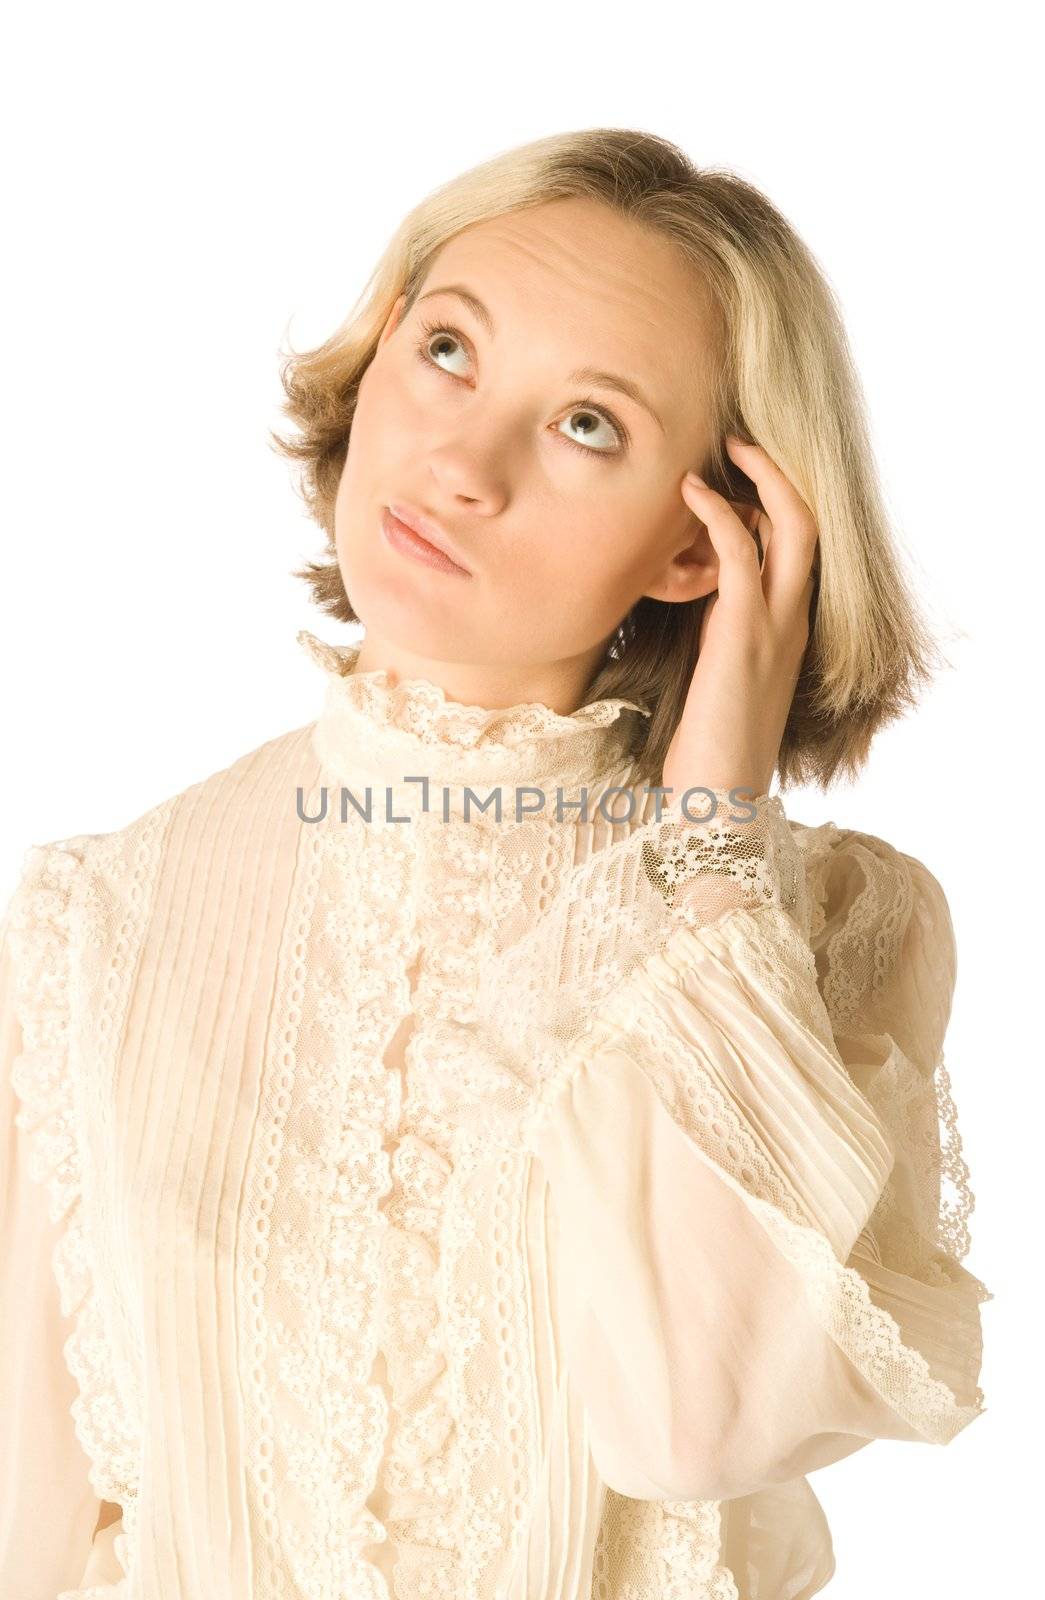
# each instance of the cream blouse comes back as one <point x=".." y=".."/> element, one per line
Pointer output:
<point x="450" y="1206"/>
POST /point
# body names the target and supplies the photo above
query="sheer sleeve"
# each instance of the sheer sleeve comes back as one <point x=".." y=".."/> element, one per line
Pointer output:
<point x="759" y="1268"/>
<point x="49" y="1508"/>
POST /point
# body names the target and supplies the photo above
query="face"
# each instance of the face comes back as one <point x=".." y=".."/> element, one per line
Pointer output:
<point x="559" y="493"/>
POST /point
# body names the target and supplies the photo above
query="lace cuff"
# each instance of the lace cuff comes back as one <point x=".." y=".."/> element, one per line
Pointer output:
<point x="718" y="850"/>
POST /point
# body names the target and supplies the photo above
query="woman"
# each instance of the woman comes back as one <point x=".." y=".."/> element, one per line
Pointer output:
<point x="487" y="1148"/>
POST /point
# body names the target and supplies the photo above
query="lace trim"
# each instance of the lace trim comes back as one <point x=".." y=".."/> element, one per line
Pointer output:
<point x="753" y="859"/>
<point x="666" y="1548"/>
<point x="419" y="707"/>
<point x="952" y="1232"/>
<point x="373" y="735"/>
<point x="384" y="1215"/>
<point x="929" y="1227"/>
<point x="861" y="953"/>
<point x="346" y="1204"/>
<point x="42" y="923"/>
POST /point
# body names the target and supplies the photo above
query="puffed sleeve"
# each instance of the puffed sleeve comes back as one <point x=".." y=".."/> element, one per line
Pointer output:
<point x="49" y="1510"/>
<point x="759" y="1270"/>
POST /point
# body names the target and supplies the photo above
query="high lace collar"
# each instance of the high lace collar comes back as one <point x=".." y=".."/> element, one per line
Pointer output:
<point x="371" y="731"/>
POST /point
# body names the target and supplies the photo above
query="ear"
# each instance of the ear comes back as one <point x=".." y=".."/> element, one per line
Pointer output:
<point x="693" y="571"/>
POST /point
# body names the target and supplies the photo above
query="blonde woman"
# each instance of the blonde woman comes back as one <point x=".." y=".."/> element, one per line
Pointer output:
<point x="477" y="1144"/>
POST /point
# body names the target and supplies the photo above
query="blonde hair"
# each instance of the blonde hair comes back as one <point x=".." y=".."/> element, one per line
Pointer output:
<point x="786" y="380"/>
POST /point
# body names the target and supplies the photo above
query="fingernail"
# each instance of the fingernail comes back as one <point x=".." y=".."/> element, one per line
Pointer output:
<point x="694" y="477"/>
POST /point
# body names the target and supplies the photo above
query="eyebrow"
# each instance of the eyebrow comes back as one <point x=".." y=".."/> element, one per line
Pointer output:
<point x="607" y="380"/>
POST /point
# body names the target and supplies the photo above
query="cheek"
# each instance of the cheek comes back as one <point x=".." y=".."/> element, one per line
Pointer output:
<point x="598" y="551"/>
<point x="580" y="580"/>
<point x="370" y="461"/>
<point x="386" y="389"/>
<point x="385" y="425"/>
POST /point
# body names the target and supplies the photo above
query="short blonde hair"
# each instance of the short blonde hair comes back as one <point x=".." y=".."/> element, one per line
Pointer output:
<point x="786" y="380"/>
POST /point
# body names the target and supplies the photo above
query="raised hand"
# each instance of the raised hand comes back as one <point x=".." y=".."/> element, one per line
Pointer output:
<point x="753" y="635"/>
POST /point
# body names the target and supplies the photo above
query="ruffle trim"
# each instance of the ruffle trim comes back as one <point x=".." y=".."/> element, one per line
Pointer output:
<point x="419" y="707"/>
<point x="41" y="938"/>
<point x="418" y="1475"/>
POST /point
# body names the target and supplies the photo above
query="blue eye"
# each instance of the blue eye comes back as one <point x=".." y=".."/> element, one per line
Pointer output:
<point x="583" y="407"/>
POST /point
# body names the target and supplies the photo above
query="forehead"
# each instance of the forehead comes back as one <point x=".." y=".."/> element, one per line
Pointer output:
<point x="611" y="291"/>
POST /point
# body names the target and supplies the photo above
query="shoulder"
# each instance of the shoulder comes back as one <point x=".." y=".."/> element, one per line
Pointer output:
<point x="60" y="877"/>
<point x="880" y="924"/>
<point x="848" y="867"/>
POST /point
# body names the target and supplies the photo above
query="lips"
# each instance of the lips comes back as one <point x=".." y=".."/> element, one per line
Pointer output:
<point x="428" y="530"/>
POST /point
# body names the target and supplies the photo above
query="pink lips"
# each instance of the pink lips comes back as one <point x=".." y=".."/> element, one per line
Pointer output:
<point x="409" y="541"/>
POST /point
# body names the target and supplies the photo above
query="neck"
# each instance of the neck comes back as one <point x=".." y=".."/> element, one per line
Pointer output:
<point x="561" y="685"/>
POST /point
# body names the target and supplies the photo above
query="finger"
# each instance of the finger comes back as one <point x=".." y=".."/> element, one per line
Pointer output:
<point x="786" y="571"/>
<point x="739" y="579"/>
<point x="758" y="526"/>
<point x="709" y="605"/>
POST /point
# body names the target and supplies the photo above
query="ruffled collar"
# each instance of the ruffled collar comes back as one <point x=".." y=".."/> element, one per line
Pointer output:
<point x="371" y="731"/>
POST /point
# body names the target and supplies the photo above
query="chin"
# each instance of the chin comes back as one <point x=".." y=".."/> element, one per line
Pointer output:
<point x="399" y="614"/>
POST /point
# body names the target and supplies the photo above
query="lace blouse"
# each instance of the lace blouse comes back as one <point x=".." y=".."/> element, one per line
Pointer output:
<point x="481" y="1198"/>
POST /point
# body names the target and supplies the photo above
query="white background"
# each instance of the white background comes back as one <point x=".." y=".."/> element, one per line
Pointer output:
<point x="186" y="187"/>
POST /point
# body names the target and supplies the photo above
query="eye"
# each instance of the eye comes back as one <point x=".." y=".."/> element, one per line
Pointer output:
<point x="589" y="414"/>
<point x="583" y="408"/>
<point x="428" y="332"/>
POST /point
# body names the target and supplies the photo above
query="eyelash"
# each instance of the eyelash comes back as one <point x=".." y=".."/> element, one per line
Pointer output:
<point x="421" y="351"/>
